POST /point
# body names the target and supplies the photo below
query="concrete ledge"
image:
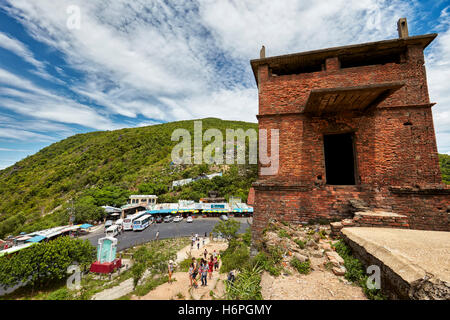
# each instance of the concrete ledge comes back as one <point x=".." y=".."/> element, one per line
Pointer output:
<point x="414" y="264"/>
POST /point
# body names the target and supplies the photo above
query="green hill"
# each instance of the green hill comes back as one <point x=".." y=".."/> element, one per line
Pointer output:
<point x="104" y="168"/>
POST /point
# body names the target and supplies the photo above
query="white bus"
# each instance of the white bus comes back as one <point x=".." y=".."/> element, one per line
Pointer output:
<point x="128" y="221"/>
<point x="141" y="223"/>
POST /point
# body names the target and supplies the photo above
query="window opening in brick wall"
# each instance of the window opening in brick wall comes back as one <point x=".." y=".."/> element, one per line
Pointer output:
<point x="339" y="159"/>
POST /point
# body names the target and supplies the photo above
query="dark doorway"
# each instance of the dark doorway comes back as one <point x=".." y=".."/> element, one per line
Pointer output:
<point x="339" y="159"/>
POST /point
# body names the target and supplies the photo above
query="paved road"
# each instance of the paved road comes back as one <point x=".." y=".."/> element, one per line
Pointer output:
<point x="166" y="230"/>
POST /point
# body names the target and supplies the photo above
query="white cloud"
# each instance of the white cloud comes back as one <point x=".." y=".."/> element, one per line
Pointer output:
<point x="19" y="49"/>
<point x="438" y="74"/>
<point x="187" y="60"/>
<point x="30" y="100"/>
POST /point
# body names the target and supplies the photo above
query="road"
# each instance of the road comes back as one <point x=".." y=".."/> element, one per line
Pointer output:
<point x="166" y="230"/>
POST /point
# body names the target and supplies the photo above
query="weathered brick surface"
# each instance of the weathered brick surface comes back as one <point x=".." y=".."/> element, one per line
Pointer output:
<point x="395" y="145"/>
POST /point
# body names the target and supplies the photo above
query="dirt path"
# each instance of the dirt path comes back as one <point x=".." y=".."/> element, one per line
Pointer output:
<point x="180" y="289"/>
<point x="318" y="285"/>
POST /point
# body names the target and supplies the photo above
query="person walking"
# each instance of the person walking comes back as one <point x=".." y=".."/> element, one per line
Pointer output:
<point x="195" y="272"/>
<point x="198" y="245"/>
<point x="170" y="267"/>
<point x="216" y="264"/>
<point x="211" y="266"/>
<point x="157" y="235"/>
<point x="196" y="236"/>
<point x="203" y="242"/>
<point x="204" y="271"/>
<point x="191" y="273"/>
<point x="205" y="253"/>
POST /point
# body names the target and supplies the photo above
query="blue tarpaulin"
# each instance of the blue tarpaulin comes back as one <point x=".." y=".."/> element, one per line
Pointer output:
<point x="36" y="239"/>
<point x="86" y="226"/>
<point x="160" y="211"/>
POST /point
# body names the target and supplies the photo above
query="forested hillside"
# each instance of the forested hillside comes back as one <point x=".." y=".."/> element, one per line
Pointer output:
<point x="104" y="168"/>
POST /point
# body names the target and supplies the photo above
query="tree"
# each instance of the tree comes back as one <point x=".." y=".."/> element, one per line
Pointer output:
<point x="228" y="229"/>
<point x="45" y="262"/>
<point x="85" y="211"/>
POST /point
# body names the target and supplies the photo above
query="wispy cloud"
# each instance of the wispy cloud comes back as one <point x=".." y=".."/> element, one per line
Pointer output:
<point x="181" y="60"/>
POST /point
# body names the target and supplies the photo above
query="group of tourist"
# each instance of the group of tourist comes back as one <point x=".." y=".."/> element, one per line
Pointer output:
<point x="199" y="267"/>
<point x="203" y="268"/>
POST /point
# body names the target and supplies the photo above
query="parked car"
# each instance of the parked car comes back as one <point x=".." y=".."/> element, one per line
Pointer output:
<point x="189" y="219"/>
<point x="168" y="219"/>
<point x="159" y="219"/>
<point x="224" y="218"/>
<point x="177" y="219"/>
<point x="108" y="224"/>
<point x="112" y="231"/>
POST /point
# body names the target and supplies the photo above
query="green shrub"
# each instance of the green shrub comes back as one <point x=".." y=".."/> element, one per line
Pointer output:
<point x="355" y="271"/>
<point x="236" y="256"/>
<point x="301" y="267"/>
<point x="247" y="237"/>
<point x="322" y="234"/>
<point x="267" y="263"/>
<point x="246" y="286"/>
<point x="60" y="294"/>
<point x="283" y="233"/>
<point x="300" y="243"/>
<point x="184" y="265"/>
<point x="46" y="262"/>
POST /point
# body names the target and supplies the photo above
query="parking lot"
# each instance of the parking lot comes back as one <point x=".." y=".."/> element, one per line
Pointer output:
<point x="166" y="230"/>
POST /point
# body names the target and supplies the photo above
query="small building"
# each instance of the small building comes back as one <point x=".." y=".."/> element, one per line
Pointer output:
<point x="144" y="199"/>
<point x="113" y="213"/>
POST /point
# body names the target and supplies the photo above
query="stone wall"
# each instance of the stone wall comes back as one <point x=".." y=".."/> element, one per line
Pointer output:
<point x="394" y="146"/>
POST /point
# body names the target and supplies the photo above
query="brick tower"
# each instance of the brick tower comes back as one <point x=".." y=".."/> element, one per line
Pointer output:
<point x="355" y="125"/>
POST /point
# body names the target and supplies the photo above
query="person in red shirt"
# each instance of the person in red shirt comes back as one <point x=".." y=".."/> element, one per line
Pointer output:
<point x="211" y="266"/>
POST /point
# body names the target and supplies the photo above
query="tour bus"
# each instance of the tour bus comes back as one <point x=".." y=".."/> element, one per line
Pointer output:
<point x="141" y="223"/>
<point x="128" y="221"/>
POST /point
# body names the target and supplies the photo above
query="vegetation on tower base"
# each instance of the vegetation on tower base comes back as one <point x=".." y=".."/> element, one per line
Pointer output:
<point x="444" y="161"/>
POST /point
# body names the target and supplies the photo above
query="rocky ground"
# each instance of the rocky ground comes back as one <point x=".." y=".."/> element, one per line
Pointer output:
<point x="307" y="243"/>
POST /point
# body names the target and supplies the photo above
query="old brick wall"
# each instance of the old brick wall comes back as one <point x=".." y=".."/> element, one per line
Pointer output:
<point x="394" y="145"/>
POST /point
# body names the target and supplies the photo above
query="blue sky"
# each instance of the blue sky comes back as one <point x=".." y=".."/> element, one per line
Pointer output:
<point x="135" y="63"/>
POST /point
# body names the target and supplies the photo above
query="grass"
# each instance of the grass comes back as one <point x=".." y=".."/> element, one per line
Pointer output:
<point x="180" y="296"/>
<point x="283" y="233"/>
<point x="301" y="267"/>
<point x="247" y="285"/>
<point x="301" y="244"/>
<point x="150" y="284"/>
<point x="356" y="271"/>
